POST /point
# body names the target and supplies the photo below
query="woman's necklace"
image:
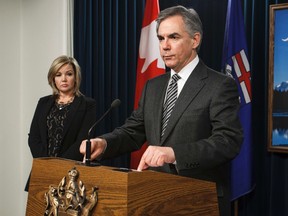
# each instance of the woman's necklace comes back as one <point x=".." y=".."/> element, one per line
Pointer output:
<point x="62" y="104"/>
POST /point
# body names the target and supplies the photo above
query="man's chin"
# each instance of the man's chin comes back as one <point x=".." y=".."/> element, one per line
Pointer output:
<point x="169" y="64"/>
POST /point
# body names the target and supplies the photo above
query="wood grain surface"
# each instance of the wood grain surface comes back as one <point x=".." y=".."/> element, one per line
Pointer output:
<point x="124" y="192"/>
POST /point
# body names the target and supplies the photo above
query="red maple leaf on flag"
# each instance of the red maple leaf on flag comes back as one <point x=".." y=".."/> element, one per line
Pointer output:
<point x="150" y="63"/>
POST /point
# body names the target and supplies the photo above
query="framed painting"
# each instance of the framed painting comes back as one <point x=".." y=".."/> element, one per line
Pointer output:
<point x="278" y="79"/>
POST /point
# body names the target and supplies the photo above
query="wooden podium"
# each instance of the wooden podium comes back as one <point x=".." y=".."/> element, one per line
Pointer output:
<point x="124" y="192"/>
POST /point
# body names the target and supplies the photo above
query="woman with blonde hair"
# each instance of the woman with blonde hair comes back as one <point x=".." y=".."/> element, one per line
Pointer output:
<point x="62" y="120"/>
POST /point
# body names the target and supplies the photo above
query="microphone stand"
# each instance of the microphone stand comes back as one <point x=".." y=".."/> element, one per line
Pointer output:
<point x="88" y="153"/>
<point x="88" y="142"/>
<point x="88" y="162"/>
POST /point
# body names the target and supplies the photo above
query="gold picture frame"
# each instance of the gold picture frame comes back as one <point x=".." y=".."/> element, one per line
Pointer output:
<point x="278" y="79"/>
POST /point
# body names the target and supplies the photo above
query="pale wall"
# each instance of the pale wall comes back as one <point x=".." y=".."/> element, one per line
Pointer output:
<point x="32" y="34"/>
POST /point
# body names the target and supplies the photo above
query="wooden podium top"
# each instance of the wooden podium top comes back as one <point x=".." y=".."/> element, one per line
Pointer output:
<point x="125" y="192"/>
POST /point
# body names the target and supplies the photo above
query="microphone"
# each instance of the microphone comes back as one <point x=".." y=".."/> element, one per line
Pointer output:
<point x="114" y="104"/>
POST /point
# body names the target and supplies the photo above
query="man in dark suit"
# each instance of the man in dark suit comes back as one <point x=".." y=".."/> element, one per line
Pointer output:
<point x="203" y="133"/>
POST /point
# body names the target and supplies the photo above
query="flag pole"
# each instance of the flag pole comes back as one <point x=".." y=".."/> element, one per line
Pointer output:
<point x="236" y="207"/>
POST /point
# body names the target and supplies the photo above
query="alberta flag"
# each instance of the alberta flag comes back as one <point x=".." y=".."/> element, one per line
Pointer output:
<point x="150" y="63"/>
<point x="235" y="63"/>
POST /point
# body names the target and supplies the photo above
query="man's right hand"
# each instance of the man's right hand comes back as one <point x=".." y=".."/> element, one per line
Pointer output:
<point x="98" y="147"/>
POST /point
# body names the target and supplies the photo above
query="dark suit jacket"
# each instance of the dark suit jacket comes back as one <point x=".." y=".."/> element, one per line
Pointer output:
<point x="204" y="130"/>
<point x="81" y="117"/>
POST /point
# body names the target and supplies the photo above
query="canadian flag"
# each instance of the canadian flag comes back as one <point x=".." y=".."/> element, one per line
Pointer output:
<point x="149" y="64"/>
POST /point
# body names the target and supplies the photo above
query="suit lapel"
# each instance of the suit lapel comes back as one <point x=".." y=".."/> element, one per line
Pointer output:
<point x="158" y="102"/>
<point x="43" y="119"/>
<point x="190" y="90"/>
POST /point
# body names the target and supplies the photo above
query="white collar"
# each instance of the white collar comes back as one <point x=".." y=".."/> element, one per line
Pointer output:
<point x="187" y="70"/>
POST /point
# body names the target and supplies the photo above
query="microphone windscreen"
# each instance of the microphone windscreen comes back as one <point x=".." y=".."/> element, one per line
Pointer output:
<point x="115" y="103"/>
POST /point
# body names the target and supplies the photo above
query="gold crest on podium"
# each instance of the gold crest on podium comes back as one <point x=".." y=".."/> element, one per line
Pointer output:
<point x="69" y="197"/>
